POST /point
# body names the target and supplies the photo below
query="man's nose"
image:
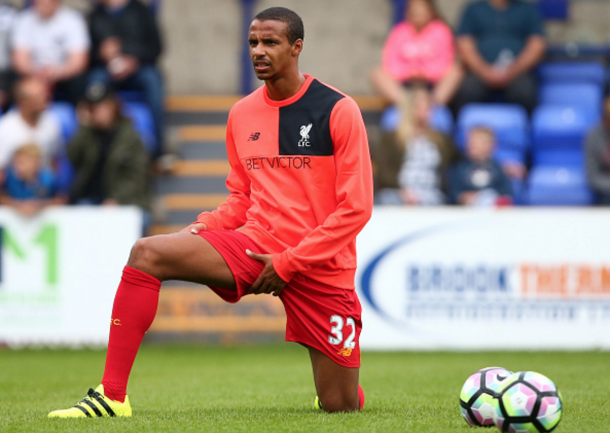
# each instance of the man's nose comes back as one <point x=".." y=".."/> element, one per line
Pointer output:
<point x="258" y="50"/>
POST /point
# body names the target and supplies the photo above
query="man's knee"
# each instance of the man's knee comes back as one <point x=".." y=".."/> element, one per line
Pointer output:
<point x="144" y="255"/>
<point x="523" y="91"/>
<point x="150" y="79"/>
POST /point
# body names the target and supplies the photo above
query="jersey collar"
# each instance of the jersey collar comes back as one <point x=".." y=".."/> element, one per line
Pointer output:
<point x="293" y="98"/>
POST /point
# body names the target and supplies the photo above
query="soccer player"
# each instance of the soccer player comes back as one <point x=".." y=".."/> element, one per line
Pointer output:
<point x="300" y="191"/>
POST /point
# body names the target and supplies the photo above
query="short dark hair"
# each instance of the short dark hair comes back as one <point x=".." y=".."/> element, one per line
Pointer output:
<point x="294" y="23"/>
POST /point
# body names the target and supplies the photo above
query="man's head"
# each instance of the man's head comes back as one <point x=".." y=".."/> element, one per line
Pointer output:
<point x="46" y="8"/>
<point x="115" y="4"/>
<point x="103" y="106"/>
<point x="32" y="96"/>
<point x="276" y="40"/>
<point x="481" y="144"/>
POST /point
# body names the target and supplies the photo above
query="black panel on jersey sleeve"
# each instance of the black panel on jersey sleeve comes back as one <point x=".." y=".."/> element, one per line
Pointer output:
<point x="305" y="125"/>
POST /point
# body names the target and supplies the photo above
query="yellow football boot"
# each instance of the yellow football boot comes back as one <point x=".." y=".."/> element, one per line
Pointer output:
<point x="95" y="405"/>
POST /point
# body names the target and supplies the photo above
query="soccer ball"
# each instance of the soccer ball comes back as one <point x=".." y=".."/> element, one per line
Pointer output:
<point x="478" y="393"/>
<point x="527" y="402"/>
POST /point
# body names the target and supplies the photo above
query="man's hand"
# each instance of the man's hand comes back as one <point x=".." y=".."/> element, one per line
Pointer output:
<point x="122" y="67"/>
<point x="195" y="228"/>
<point x="494" y="77"/>
<point x="268" y="281"/>
<point x="110" y="48"/>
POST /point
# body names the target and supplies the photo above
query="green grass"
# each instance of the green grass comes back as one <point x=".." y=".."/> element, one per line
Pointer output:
<point x="270" y="388"/>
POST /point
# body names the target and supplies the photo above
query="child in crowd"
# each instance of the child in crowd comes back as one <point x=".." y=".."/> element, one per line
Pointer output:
<point x="29" y="187"/>
<point x="478" y="180"/>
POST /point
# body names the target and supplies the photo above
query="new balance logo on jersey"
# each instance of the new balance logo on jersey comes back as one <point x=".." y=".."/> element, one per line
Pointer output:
<point x="304" y="141"/>
<point x="254" y="136"/>
<point x="346" y="351"/>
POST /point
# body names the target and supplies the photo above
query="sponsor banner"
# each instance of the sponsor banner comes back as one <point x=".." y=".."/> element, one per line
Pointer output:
<point x="193" y="309"/>
<point x="470" y="279"/>
<point x="59" y="272"/>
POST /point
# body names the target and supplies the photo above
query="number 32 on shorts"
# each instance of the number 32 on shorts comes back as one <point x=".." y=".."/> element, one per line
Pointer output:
<point x="336" y="334"/>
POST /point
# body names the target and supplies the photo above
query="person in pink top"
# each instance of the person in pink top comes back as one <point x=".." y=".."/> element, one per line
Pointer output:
<point x="419" y="49"/>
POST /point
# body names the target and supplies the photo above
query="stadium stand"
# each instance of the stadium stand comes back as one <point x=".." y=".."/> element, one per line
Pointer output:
<point x="554" y="9"/>
<point x="558" y="132"/>
<point x="578" y="94"/>
<point x="572" y="73"/>
<point x="558" y="186"/>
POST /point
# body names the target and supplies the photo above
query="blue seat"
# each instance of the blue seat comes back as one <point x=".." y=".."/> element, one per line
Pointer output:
<point x="573" y="72"/>
<point x="66" y="114"/>
<point x="509" y="123"/>
<point x="554" y="9"/>
<point x="519" y="192"/>
<point x="131" y="96"/>
<point x="64" y="172"/>
<point x="584" y="94"/>
<point x="143" y="123"/>
<point x="390" y="119"/>
<point x="558" y="133"/>
<point x="558" y="186"/>
<point x="440" y="119"/>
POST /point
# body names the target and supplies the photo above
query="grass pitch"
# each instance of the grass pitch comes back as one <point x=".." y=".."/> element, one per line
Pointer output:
<point x="270" y="389"/>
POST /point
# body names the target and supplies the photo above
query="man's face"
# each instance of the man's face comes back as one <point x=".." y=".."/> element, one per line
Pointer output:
<point x="46" y="8"/>
<point x="272" y="55"/>
<point x="35" y="97"/>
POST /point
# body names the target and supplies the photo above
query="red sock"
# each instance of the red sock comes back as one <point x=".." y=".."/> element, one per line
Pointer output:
<point x="135" y="306"/>
<point x="361" y="396"/>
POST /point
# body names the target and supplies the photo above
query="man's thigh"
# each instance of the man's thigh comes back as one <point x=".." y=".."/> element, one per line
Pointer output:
<point x="325" y="318"/>
<point x="182" y="256"/>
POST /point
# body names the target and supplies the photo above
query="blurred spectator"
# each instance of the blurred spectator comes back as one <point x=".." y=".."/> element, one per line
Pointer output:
<point x="500" y="43"/>
<point x="8" y="14"/>
<point x="30" y="122"/>
<point x="597" y="150"/>
<point x="126" y="47"/>
<point x="479" y="180"/>
<point x="411" y="163"/>
<point x="109" y="159"/>
<point x="51" y="42"/>
<point x="420" y="49"/>
<point x="29" y="186"/>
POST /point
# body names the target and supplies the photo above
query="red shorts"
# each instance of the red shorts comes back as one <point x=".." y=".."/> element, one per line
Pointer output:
<point x="318" y="315"/>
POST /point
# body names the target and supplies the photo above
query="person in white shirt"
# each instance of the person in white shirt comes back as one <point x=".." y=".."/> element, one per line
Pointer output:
<point x="30" y="122"/>
<point x="52" y="42"/>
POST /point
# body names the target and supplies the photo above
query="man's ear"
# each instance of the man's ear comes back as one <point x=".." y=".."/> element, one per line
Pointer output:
<point x="297" y="47"/>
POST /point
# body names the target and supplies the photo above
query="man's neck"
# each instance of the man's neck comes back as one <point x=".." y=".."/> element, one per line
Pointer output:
<point x="117" y="6"/>
<point x="499" y="4"/>
<point x="30" y="118"/>
<point x="284" y="88"/>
